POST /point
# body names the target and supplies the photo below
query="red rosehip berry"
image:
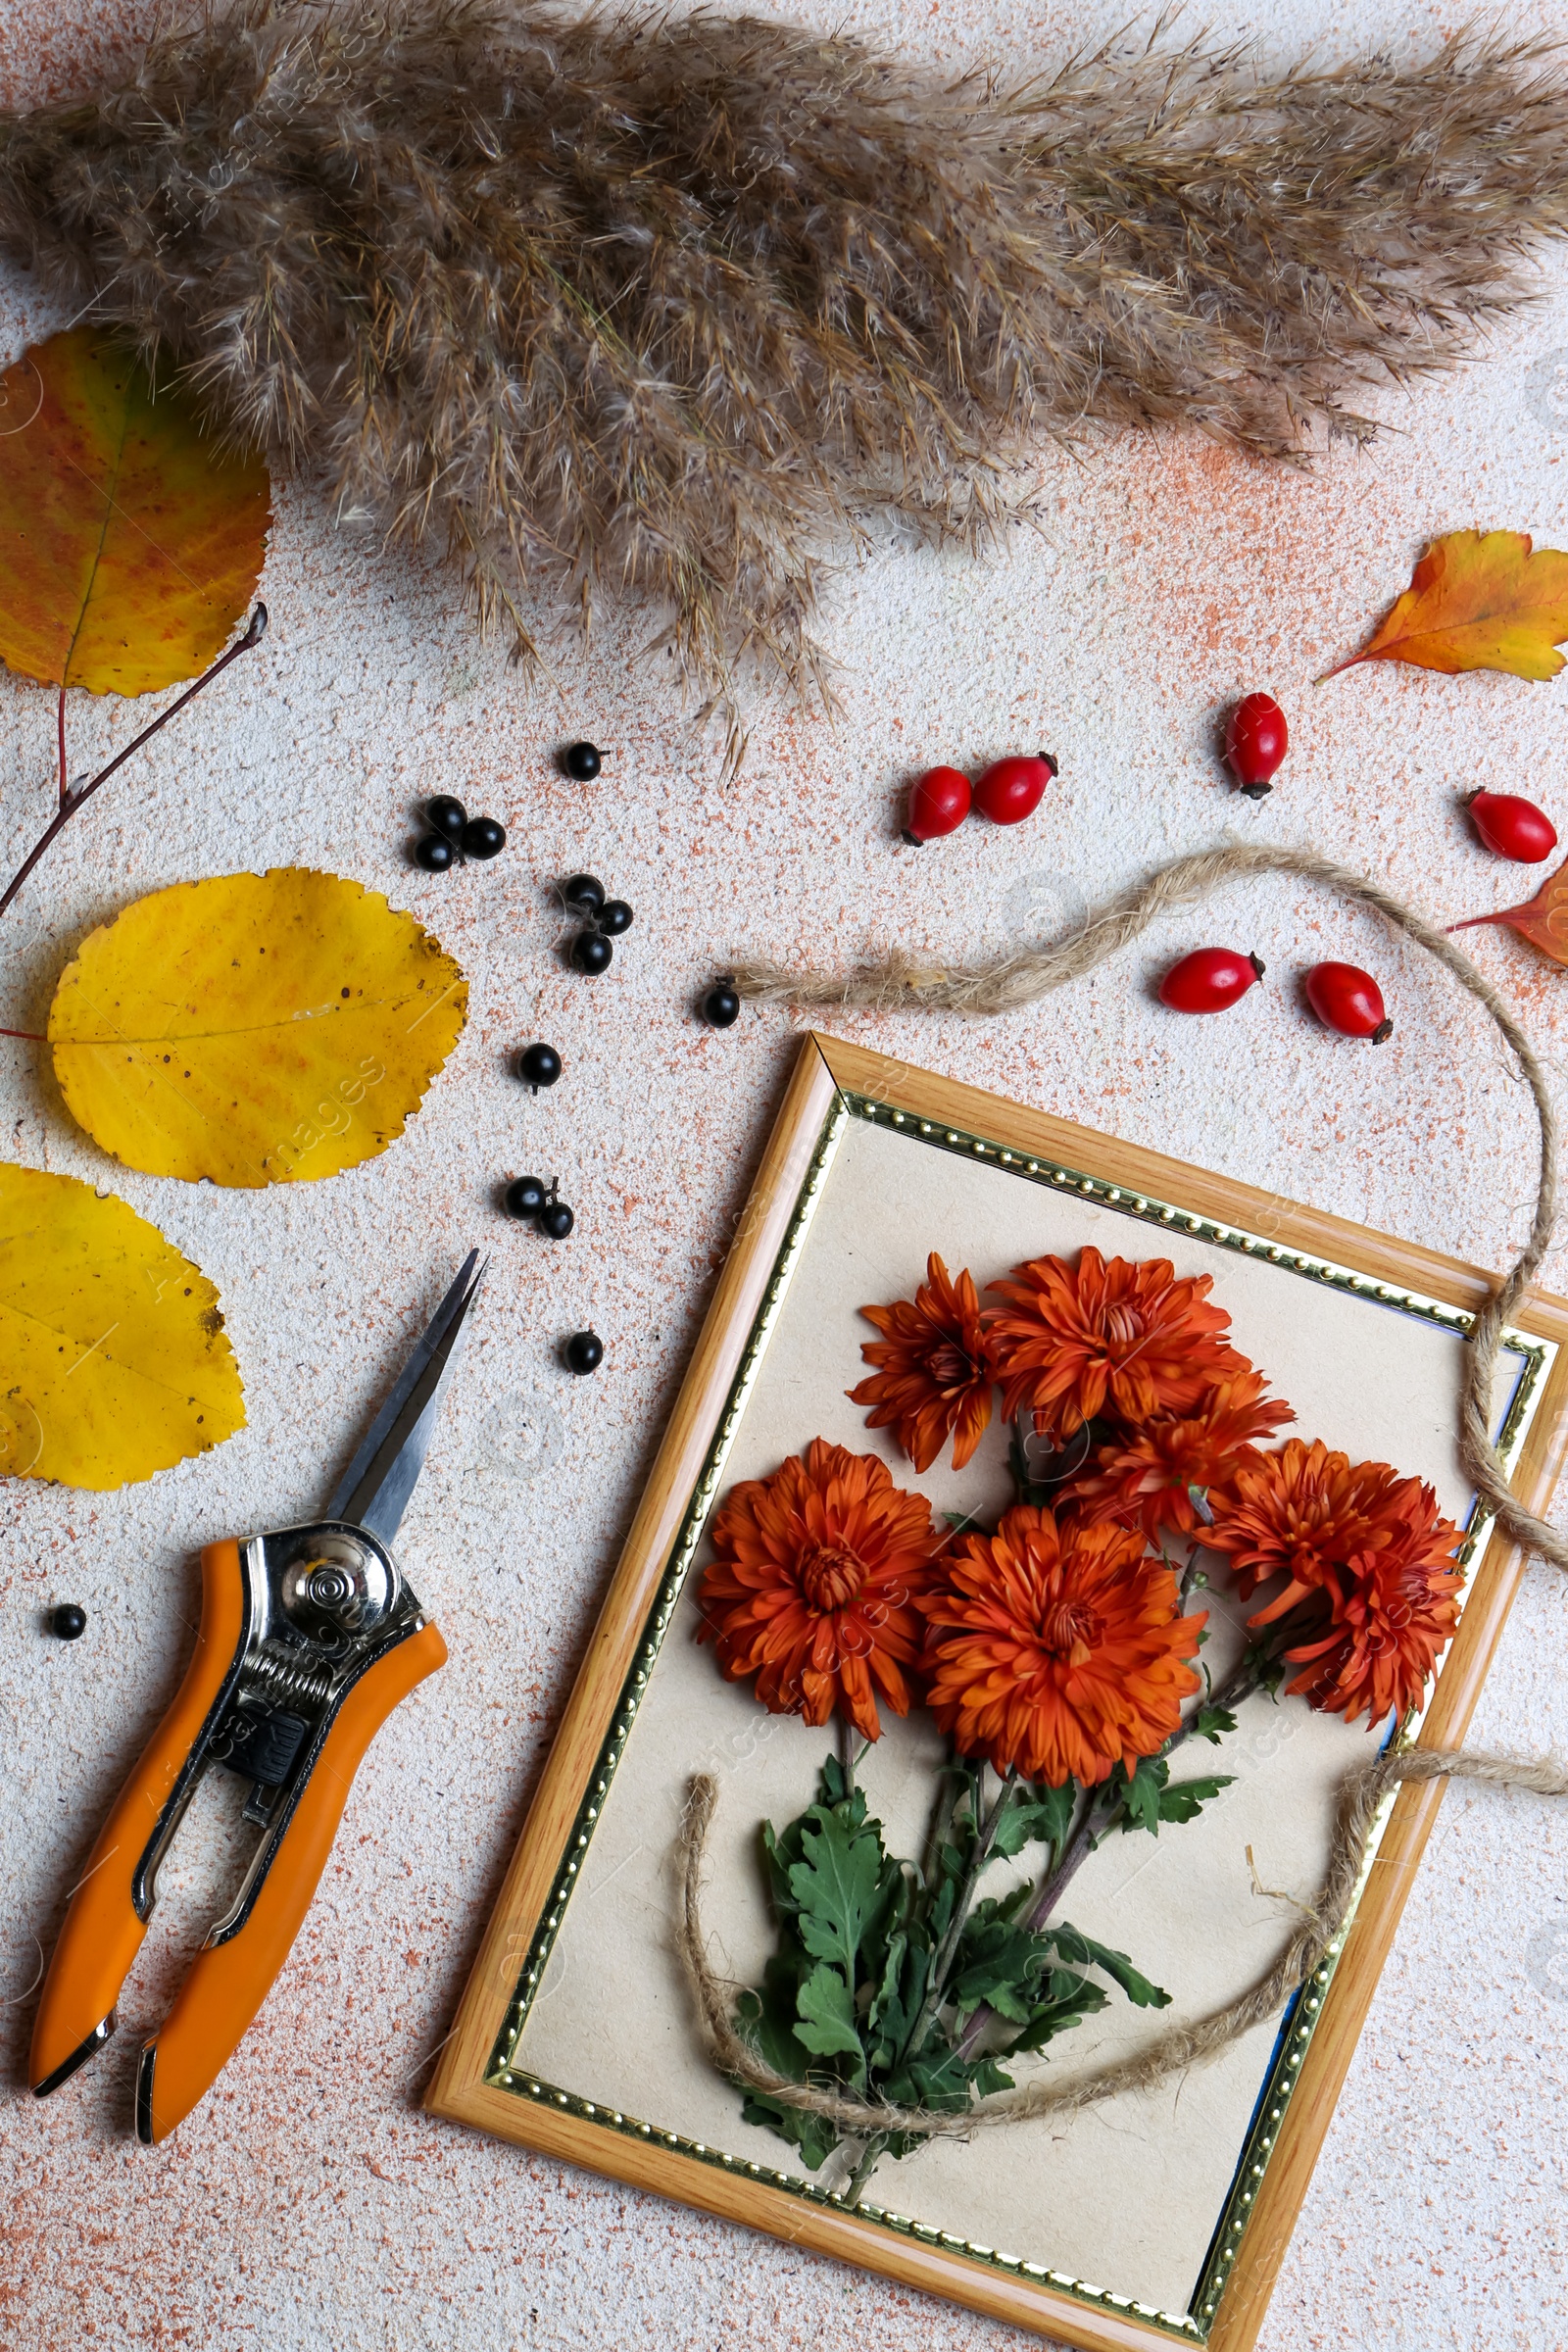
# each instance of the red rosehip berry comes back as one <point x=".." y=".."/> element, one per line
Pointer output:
<point x="1349" y="1000"/>
<point x="1511" y="828"/>
<point x="1012" y="789"/>
<point x="1256" y="741"/>
<point x="1210" y="980"/>
<point x="939" y="803"/>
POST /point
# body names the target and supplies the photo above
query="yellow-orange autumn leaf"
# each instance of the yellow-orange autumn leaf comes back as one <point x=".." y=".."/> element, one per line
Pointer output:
<point x="130" y="543"/>
<point x="113" y="1361"/>
<point x="256" y="1029"/>
<point x="1478" y="599"/>
<point x="1543" y="920"/>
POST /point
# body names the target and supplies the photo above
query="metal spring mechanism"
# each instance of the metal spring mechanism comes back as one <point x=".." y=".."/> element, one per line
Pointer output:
<point x="276" y="1676"/>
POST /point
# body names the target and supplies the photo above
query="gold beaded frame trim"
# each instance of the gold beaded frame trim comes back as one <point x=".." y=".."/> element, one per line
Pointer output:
<point x="1535" y="1358"/>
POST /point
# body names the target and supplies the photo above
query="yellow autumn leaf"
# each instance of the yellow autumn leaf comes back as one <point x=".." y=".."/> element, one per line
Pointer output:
<point x="256" y="1028"/>
<point x="113" y="1361"/>
<point x="1477" y="599"/>
<point x="131" y="542"/>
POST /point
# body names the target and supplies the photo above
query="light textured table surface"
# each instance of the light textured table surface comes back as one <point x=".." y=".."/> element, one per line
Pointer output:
<point x="310" y="2202"/>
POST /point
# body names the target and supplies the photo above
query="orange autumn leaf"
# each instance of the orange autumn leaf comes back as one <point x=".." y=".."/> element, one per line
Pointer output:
<point x="1478" y="599"/>
<point x="1543" y="920"/>
<point x="130" y="543"/>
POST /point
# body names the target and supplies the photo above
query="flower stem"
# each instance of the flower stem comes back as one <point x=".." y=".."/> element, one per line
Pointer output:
<point x="1100" y="1817"/>
<point x="1072" y="1457"/>
<point x="70" y="802"/>
<point x="846" y="1753"/>
<point x="947" y="1949"/>
<point x="864" y="2167"/>
<point x="941" y="1966"/>
<point x="1240" y="1683"/>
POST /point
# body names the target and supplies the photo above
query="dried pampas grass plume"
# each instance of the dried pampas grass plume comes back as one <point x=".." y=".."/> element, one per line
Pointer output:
<point x="663" y="309"/>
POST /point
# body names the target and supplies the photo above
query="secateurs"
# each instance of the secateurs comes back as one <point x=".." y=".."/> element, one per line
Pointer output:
<point x="310" y="1636"/>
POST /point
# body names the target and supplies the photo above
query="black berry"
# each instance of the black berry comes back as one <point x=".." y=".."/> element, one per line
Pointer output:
<point x="539" y="1065"/>
<point x="581" y="762"/>
<point x="590" y="952"/>
<point x="584" y="1351"/>
<point x="584" y="893"/>
<point x="446" y="815"/>
<point x="434" y="852"/>
<point x="482" y="837"/>
<point x="70" y="1621"/>
<point x="556" y="1220"/>
<point x="613" y="917"/>
<point x="721" y="1006"/>
<point x="526" y="1196"/>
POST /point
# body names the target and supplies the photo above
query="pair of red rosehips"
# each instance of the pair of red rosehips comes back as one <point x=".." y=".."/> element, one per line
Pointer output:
<point x="1008" y="791"/>
<point x="1256" y="741"/>
<point x="1341" y="995"/>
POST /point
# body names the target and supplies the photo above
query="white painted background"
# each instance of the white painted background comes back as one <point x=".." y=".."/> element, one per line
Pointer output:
<point x="311" y="2202"/>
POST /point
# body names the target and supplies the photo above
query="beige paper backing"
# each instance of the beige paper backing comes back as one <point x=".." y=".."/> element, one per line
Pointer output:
<point x="1126" y="2196"/>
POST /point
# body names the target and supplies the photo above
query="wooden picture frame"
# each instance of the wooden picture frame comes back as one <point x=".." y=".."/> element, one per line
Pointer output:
<point x="834" y="1083"/>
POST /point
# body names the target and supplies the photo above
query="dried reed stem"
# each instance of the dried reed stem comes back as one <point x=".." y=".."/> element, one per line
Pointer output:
<point x="661" y="309"/>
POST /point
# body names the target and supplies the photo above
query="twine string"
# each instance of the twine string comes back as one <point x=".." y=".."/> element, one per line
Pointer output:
<point x="898" y="983"/>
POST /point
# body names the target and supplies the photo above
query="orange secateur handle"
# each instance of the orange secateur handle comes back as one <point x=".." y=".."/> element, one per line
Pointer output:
<point x="108" y="1913"/>
<point x="228" y="1982"/>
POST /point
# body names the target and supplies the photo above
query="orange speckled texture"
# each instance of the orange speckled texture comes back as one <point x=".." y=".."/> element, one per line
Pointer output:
<point x="310" y="2203"/>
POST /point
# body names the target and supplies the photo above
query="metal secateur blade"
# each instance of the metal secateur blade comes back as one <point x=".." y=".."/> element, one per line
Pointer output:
<point x="310" y="1636"/>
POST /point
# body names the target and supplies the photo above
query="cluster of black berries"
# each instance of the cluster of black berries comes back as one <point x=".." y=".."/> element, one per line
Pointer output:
<point x="583" y="895"/>
<point x="528" y="1197"/>
<point x="454" y="833"/>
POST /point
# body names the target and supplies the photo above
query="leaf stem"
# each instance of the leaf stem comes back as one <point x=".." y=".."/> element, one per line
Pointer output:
<point x="1505" y="914"/>
<point x="70" y="802"/>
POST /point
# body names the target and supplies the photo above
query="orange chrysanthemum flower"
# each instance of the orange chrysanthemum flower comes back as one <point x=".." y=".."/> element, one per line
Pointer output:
<point x="1296" y="1513"/>
<point x="1145" y="1479"/>
<point x="1108" y="1333"/>
<point x="1057" y="1649"/>
<point x="935" y="1376"/>
<point x="813" y="1585"/>
<point x="1373" y="1591"/>
<point x="1391" y="1616"/>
